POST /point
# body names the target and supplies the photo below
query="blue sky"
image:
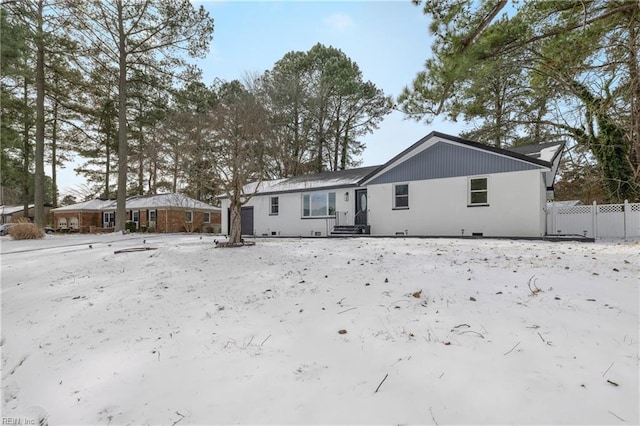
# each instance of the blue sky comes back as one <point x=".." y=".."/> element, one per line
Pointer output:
<point x="389" y="41"/>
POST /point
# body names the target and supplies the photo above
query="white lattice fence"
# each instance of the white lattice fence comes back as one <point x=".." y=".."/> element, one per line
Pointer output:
<point x="606" y="220"/>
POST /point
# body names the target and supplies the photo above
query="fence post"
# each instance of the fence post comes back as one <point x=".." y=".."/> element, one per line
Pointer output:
<point x="553" y="218"/>
<point x="594" y="219"/>
<point x="625" y="215"/>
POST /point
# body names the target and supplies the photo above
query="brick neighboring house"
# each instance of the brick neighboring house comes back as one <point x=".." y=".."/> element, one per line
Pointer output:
<point x="15" y="212"/>
<point x="153" y="213"/>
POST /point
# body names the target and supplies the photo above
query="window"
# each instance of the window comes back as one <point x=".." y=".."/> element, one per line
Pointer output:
<point x="136" y="216"/>
<point x="109" y="219"/>
<point x="401" y="196"/>
<point x="275" y="206"/>
<point x="188" y="216"/>
<point x="207" y="218"/>
<point x="152" y="215"/>
<point x="478" y="195"/>
<point x="319" y="204"/>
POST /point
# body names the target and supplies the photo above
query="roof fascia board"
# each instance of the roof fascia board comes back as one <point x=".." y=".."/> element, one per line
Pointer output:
<point x="555" y="166"/>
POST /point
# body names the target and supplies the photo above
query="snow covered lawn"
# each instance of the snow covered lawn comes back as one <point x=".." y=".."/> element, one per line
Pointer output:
<point x="438" y="331"/>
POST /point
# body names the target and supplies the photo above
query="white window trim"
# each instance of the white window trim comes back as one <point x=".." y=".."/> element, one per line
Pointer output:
<point x="271" y="213"/>
<point x="309" y="194"/>
<point x="190" y="216"/>
<point x="393" y="195"/>
<point x="469" y="192"/>
<point x="206" y="215"/>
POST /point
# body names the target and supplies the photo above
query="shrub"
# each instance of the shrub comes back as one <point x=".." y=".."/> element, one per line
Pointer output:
<point x="130" y="226"/>
<point x="25" y="230"/>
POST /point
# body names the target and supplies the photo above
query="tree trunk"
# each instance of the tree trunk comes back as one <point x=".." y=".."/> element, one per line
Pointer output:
<point x="344" y="154"/>
<point x="107" y="166"/>
<point x="336" y="142"/>
<point x="141" y="152"/>
<point x="54" y="156"/>
<point x="122" y="125"/>
<point x="634" y="77"/>
<point x="235" y="233"/>
<point x="26" y="147"/>
<point x="141" y="173"/>
<point x="39" y="153"/>
<point x="174" y="184"/>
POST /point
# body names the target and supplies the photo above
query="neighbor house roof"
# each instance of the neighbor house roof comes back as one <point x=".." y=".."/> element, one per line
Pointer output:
<point x="568" y="203"/>
<point x="10" y="210"/>
<point x="140" y="202"/>
<point x="164" y="201"/>
<point x="94" y="205"/>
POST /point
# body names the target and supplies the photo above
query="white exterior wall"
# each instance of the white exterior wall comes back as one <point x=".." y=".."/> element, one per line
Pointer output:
<point x="439" y="207"/>
<point x="289" y="221"/>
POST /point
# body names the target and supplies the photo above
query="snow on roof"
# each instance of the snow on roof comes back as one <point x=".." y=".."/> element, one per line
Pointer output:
<point x="91" y="205"/>
<point x="9" y="210"/>
<point x="543" y="151"/>
<point x="312" y="181"/>
<point x="166" y="200"/>
<point x="568" y="203"/>
<point x="140" y="202"/>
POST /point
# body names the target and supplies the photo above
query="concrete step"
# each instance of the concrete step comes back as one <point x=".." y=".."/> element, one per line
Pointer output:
<point x="347" y="230"/>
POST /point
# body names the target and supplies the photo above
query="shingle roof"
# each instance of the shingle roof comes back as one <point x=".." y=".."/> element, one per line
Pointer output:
<point x="166" y="200"/>
<point x="91" y="205"/>
<point x="324" y="180"/>
<point x="140" y="202"/>
<point x="543" y="151"/>
<point x="9" y="210"/>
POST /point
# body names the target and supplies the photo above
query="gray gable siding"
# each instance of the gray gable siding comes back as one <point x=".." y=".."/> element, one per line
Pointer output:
<point x="445" y="160"/>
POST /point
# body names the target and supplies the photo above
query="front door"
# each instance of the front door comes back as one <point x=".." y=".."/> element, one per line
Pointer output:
<point x="361" y="207"/>
<point x="247" y="220"/>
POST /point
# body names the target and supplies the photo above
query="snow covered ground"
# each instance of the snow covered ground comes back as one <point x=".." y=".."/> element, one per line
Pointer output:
<point x="438" y="331"/>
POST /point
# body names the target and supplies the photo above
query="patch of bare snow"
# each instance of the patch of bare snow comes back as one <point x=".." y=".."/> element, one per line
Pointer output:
<point x="447" y="331"/>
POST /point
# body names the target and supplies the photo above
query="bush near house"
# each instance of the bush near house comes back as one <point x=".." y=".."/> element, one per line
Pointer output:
<point x="25" y="230"/>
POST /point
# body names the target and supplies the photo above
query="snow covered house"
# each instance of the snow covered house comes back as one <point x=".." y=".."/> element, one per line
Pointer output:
<point x="440" y="186"/>
<point x="10" y="213"/>
<point x="155" y="213"/>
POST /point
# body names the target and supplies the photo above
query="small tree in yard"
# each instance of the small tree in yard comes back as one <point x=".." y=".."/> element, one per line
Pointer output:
<point x="238" y="128"/>
<point x="184" y="205"/>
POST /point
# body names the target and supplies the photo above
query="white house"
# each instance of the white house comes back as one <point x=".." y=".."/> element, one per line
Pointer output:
<point x="440" y="186"/>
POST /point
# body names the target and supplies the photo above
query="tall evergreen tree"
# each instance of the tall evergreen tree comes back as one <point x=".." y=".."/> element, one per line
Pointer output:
<point x="576" y="76"/>
<point x="320" y="107"/>
<point x="142" y="36"/>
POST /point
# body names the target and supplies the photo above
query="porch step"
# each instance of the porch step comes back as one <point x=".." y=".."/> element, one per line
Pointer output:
<point x="346" y="230"/>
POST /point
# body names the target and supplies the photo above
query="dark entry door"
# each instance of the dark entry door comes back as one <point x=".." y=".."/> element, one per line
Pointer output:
<point x="246" y="220"/>
<point x="361" y="207"/>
